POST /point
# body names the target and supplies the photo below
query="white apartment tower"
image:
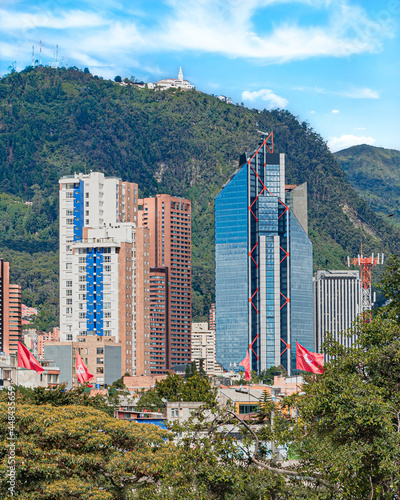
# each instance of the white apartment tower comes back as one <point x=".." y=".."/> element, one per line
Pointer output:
<point x="104" y="266"/>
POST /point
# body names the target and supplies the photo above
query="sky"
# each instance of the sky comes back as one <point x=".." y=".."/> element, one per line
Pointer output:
<point x="332" y="63"/>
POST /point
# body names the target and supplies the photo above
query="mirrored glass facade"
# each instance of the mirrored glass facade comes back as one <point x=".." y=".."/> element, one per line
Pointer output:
<point x="263" y="278"/>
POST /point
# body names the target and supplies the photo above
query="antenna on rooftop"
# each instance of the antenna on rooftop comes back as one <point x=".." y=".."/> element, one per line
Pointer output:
<point x="57" y="56"/>
<point x="40" y="58"/>
<point x="33" y="55"/>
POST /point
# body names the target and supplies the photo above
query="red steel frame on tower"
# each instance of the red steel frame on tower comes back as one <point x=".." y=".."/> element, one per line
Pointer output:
<point x="269" y="144"/>
<point x="366" y="264"/>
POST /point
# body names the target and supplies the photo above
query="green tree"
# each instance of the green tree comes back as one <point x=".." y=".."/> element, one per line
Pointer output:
<point x="76" y="452"/>
<point x="175" y="388"/>
<point x="348" y="423"/>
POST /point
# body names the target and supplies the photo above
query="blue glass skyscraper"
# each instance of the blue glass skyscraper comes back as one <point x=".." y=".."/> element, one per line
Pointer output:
<point x="264" y="293"/>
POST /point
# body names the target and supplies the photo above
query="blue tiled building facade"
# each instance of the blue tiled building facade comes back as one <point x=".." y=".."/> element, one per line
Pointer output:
<point x="263" y="280"/>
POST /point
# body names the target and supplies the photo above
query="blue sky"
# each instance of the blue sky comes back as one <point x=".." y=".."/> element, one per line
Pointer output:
<point x="332" y="63"/>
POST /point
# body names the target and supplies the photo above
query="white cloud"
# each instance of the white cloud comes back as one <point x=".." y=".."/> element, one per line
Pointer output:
<point x="22" y="21"/>
<point x="335" y="111"/>
<point x="312" y="112"/>
<point x="273" y="100"/>
<point x="364" y="93"/>
<point x="354" y="93"/>
<point x="346" y="141"/>
<point x="215" y="26"/>
<point x="226" y="27"/>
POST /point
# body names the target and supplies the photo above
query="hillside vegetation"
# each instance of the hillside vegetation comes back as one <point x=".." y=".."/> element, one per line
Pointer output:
<point x="375" y="174"/>
<point x="59" y="121"/>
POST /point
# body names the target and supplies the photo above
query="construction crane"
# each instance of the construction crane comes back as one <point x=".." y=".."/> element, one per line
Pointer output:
<point x="366" y="264"/>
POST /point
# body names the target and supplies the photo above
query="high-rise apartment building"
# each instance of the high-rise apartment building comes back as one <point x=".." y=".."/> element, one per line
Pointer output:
<point x="104" y="266"/>
<point x="10" y="311"/>
<point x="337" y="303"/>
<point x="169" y="220"/>
<point x="263" y="262"/>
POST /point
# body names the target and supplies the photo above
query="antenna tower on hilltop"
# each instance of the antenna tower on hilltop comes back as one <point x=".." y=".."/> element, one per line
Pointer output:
<point x="366" y="264"/>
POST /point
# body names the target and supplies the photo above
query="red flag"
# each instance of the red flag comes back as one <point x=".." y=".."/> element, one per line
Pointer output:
<point x="27" y="360"/>
<point x="246" y="365"/>
<point x="82" y="373"/>
<point x="309" y="361"/>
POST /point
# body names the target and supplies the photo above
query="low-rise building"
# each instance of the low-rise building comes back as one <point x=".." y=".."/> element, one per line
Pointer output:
<point x="53" y="336"/>
<point x="168" y="83"/>
<point x="101" y="355"/>
<point x="10" y="374"/>
<point x="138" y="384"/>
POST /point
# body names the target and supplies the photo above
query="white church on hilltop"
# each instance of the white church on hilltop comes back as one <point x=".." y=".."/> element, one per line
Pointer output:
<point x="172" y="82"/>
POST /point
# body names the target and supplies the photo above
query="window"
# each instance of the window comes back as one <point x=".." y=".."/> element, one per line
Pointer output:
<point x="69" y="213"/>
<point x="70" y="222"/>
<point x="100" y="350"/>
<point x="107" y="269"/>
<point x="100" y="361"/>
<point x="69" y="302"/>
<point x="82" y="315"/>
<point x="244" y="409"/>
<point x="82" y="269"/>
<point x="69" y="310"/>
<point x="82" y="260"/>
<point x="69" y="194"/>
<point x="69" y="292"/>
<point x="82" y="288"/>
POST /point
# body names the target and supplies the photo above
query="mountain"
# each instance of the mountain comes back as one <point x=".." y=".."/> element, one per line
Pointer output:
<point x="375" y="174"/>
<point x="55" y="122"/>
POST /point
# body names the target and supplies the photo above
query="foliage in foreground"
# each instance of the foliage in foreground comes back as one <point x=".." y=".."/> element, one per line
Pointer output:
<point x="348" y="428"/>
<point x="175" y="388"/>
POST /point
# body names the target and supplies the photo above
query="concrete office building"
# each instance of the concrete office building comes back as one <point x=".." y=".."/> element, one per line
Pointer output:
<point x="263" y="265"/>
<point x="10" y="311"/>
<point x="169" y="220"/>
<point x="337" y="303"/>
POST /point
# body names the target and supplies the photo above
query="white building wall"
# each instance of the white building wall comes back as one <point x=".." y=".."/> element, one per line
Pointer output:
<point x="337" y="303"/>
<point x="100" y="208"/>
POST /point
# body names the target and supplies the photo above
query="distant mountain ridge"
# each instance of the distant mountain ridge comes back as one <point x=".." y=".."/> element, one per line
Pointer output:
<point x="375" y="174"/>
<point x="55" y="122"/>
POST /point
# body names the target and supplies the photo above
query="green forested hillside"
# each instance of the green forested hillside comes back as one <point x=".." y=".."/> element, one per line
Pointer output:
<point x="375" y="174"/>
<point x="58" y="121"/>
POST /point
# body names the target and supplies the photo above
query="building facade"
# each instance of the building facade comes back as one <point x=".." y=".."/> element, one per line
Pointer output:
<point x="10" y="311"/>
<point x="101" y="355"/>
<point x="168" y="83"/>
<point x="169" y="220"/>
<point x="203" y="349"/>
<point x="337" y="303"/>
<point x="263" y="271"/>
<point x="104" y="266"/>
